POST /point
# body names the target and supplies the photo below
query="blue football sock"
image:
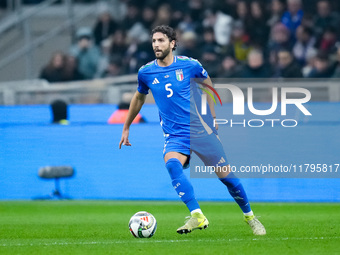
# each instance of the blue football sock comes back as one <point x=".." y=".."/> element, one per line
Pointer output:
<point x="181" y="184"/>
<point x="236" y="190"/>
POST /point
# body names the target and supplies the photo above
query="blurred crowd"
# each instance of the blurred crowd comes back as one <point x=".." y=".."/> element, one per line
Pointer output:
<point x="231" y="38"/>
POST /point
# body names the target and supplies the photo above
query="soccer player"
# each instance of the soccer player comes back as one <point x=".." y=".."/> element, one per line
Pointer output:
<point x="169" y="79"/>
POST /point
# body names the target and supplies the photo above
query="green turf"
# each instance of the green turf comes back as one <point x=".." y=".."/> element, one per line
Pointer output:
<point x="101" y="227"/>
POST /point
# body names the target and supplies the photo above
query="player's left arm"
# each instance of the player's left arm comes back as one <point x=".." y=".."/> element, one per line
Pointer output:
<point x="210" y="100"/>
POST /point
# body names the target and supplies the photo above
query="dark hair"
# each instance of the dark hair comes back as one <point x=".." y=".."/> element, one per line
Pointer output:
<point x="308" y="30"/>
<point x="59" y="110"/>
<point x="208" y="30"/>
<point x="285" y="49"/>
<point x="330" y="29"/>
<point x="322" y="56"/>
<point x="329" y="3"/>
<point x="168" y="31"/>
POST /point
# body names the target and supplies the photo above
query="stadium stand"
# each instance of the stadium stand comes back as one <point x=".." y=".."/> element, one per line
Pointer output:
<point x="121" y="30"/>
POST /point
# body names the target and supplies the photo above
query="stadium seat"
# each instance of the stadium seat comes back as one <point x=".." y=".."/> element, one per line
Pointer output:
<point x="55" y="172"/>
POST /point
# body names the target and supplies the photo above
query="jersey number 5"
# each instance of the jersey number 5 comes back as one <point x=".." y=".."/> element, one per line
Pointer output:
<point x="167" y="88"/>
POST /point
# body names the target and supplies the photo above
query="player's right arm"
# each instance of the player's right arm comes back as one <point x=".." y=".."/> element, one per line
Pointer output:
<point x="210" y="100"/>
<point x="135" y="106"/>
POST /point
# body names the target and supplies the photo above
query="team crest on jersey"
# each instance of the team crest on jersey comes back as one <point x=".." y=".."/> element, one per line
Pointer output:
<point x="179" y="75"/>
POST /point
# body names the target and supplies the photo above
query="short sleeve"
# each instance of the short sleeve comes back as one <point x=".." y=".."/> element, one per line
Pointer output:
<point x="142" y="87"/>
<point x="199" y="71"/>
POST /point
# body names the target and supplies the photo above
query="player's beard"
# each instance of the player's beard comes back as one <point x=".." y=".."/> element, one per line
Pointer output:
<point x="164" y="54"/>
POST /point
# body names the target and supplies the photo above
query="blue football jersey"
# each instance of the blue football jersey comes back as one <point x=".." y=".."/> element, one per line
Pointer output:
<point x="171" y="89"/>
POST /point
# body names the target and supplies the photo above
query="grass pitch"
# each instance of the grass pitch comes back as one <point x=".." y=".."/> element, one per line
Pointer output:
<point x="101" y="227"/>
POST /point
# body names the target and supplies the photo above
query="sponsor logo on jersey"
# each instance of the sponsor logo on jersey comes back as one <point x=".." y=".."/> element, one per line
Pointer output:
<point x="155" y="81"/>
<point x="222" y="160"/>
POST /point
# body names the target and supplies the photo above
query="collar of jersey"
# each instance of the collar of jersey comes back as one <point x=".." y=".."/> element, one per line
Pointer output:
<point x="175" y="59"/>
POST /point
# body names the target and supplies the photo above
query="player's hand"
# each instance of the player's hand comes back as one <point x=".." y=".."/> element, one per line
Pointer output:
<point x="125" y="139"/>
<point x="216" y="126"/>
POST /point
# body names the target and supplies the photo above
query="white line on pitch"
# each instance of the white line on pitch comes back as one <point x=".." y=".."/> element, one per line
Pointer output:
<point x="169" y="241"/>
